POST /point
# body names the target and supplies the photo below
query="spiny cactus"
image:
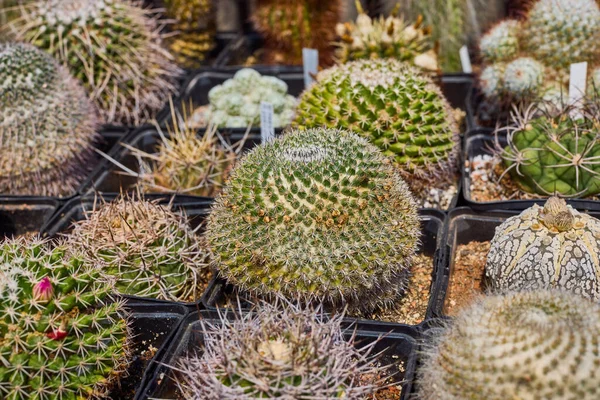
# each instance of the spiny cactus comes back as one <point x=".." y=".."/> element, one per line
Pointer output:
<point x="148" y="249"/>
<point x="501" y="43"/>
<point x="112" y="46"/>
<point x="530" y="345"/>
<point x="550" y="247"/>
<point x="554" y="153"/>
<point x="279" y="353"/>
<point x="61" y="335"/>
<point x="288" y="26"/>
<point x="319" y="214"/>
<point x="47" y="125"/>
<point x="386" y="37"/>
<point x="393" y="105"/>
<point x="236" y="103"/>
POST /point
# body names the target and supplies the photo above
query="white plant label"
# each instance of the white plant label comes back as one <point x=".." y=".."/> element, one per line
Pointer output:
<point x="577" y="86"/>
<point x="267" y="130"/>
<point x="465" y="60"/>
<point x="310" y="62"/>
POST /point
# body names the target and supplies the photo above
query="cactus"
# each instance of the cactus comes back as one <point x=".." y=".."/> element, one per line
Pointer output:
<point x="386" y="37"/>
<point x="529" y="345"/>
<point x="236" y="103"/>
<point x="287" y="27"/>
<point x="396" y="107"/>
<point x="554" y="153"/>
<point x="149" y="250"/>
<point x="550" y="247"/>
<point x="62" y="336"/>
<point x="501" y="43"/>
<point x="288" y="352"/>
<point x="113" y="47"/>
<point x="319" y="214"/>
<point x="47" y="125"/>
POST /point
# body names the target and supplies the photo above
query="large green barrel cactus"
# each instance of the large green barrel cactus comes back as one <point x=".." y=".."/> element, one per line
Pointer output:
<point x="550" y="247"/>
<point x="61" y="336"/>
<point x="148" y="249"/>
<point x="393" y="105"/>
<point x="319" y="214"/>
<point x="47" y="125"/>
<point x="113" y="47"/>
<point x="530" y="345"/>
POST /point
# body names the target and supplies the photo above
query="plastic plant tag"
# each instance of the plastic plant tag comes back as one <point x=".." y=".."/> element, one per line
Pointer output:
<point x="310" y="61"/>
<point x="577" y="86"/>
<point x="267" y="130"/>
<point x="465" y="60"/>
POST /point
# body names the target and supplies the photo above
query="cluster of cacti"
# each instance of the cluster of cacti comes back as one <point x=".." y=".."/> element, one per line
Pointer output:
<point x="148" y="249"/>
<point x="287" y="352"/>
<point x="236" y="103"/>
<point x="112" y="46"/>
<point x="529" y="345"/>
<point x="316" y="215"/>
<point x="396" y="107"/>
<point x="61" y="335"/>
<point x="47" y="125"/>
<point x="387" y="37"/>
<point x="289" y="26"/>
<point x="550" y="247"/>
<point x="554" y="152"/>
<point x="195" y="29"/>
<point x="526" y="58"/>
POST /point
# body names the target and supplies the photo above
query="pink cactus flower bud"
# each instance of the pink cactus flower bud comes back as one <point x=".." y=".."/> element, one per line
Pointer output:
<point x="43" y="290"/>
<point x="58" y="334"/>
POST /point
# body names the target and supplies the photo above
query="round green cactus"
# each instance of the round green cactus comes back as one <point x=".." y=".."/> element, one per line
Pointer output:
<point x="393" y="105"/>
<point x="319" y="214"/>
<point x="47" y="125"/>
<point x="113" y="47"/>
<point x="501" y="43"/>
<point x="529" y="345"/>
<point x="61" y="335"/>
<point x="149" y="250"/>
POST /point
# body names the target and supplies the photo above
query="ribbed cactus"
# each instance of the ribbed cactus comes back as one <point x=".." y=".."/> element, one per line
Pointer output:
<point x="279" y="353"/>
<point x="288" y="26"/>
<point x="554" y="153"/>
<point x="384" y="38"/>
<point x="550" y="247"/>
<point x="148" y="249"/>
<point x="319" y="214"/>
<point x="530" y="345"/>
<point x="393" y="105"/>
<point x="61" y="336"/>
<point x="47" y="125"/>
<point x="112" y="46"/>
<point x="501" y="43"/>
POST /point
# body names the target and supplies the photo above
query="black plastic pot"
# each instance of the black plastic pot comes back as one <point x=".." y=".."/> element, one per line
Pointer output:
<point x="19" y="217"/>
<point x="395" y="347"/>
<point x="480" y="143"/>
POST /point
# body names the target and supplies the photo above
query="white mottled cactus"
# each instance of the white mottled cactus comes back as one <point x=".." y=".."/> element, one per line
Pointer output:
<point x="550" y="247"/>
<point x="492" y="79"/>
<point x="501" y="43"/>
<point x="523" y="77"/>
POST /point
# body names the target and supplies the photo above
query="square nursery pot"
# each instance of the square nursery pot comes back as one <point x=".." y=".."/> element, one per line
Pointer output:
<point x="481" y="142"/>
<point x="464" y="226"/>
<point x="220" y="294"/>
<point x="395" y="348"/>
<point x="20" y="216"/>
<point x="153" y="327"/>
<point x="195" y="209"/>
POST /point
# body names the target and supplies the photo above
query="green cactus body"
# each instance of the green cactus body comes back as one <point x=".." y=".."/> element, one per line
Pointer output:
<point x="150" y="251"/>
<point x="47" y="125"/>
<point x="318" y="214"/>
<point x="61" y="336"/>
<point x="393" y="105"/>
<point x="501" y="43"/>
<point x="113" y="47"/>
<point x="526" y="346"/>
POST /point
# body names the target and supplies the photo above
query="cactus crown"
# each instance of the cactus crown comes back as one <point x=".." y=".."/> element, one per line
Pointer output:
<point x="318" y="214"/>
<point x="47" y="125"/>
<point x="279" y="352"/>
<point x="61" y="336"/>
<point x="531" y="345"/>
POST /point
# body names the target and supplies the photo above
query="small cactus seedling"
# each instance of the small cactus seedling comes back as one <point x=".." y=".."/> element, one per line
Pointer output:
<point x="61" y="336"/>
<point x="550" y="247"/>
<point x="148" y="249"/>
<point x="275" y="352"/>
<point x="529" y="345"/>
<point x="316" y="215"/>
